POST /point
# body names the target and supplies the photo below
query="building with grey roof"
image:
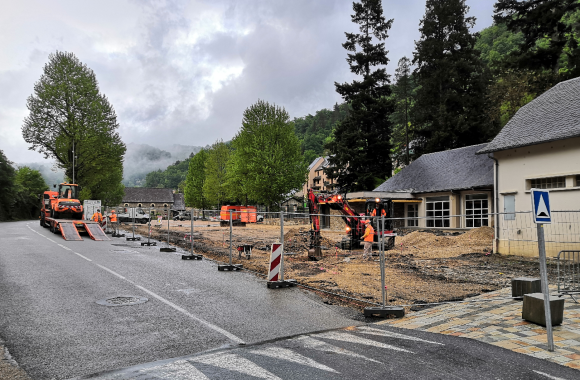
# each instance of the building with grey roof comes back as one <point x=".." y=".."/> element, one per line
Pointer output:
<point x="538" y="148"/>
<point x="440" y="185"/>
<point x="155" y="199"/>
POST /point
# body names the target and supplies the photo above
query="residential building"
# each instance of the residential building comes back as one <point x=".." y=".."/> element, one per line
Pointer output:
<point x="154" y="199"/>
<point x="539" y="148"/>
<point x="452" y="189"/>
<point x="317" y="179"/>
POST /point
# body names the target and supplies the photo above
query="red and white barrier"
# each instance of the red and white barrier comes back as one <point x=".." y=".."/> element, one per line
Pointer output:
<point x="275" y="261"/>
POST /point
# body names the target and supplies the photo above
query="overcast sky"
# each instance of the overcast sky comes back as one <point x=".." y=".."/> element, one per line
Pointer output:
<point x="183" y="72"/>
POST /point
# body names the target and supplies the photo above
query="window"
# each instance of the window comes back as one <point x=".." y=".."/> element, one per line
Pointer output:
<point x="509" y="207"/>
<point x="476" y="209"/>
<point x="412" y="213"/>
<point x="548" y="183"/>
<point x="437" y="211"/>
<point x="139" y="205"/>
<point x="126" y="205"/>
<point x="165" y="205"/>
<point x="152" y="204"/>
<point x="578" y="180"/>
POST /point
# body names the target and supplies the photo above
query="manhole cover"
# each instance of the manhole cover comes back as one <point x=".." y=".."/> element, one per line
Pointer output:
<point x="122" y="301"/>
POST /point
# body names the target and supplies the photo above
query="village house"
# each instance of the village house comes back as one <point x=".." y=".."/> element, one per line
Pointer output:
<point x="157" y="200"/>
<point x="452" y="189"/>
<point x="539" y="148"/>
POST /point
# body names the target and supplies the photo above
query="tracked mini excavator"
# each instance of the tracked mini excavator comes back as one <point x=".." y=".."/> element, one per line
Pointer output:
<point x="62" y="212"/>
<point x="355" y="223"/>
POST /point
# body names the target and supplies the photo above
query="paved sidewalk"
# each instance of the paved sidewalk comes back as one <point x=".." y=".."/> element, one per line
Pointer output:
<point x="498" y="321"/>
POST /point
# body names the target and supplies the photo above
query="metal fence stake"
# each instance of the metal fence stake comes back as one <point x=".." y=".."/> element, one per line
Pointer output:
<point x="230" y="266"/>
<point x="192" y="255"/>
<point x="149" y="231"/>
<point x="169" y="248"/>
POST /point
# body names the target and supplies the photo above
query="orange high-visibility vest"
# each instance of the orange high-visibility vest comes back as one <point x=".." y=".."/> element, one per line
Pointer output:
<point x="369" y="232"/>
<point x="113" y="217"/>
<point x="97" y="217"/>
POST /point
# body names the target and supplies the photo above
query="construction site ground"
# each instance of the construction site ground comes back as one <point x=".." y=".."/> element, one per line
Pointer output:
<point x="424" y="267"/>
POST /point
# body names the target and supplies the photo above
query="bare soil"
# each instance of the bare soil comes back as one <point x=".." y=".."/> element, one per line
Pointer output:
<point x="424" y="266"/>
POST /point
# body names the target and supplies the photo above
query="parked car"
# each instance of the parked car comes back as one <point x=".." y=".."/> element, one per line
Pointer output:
<point x="259" y="218"/>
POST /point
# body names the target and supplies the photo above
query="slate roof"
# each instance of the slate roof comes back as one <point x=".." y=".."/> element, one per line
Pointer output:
<point x="147" y="194"/>
<point x="178" y="202"/>
<point x="313" y="163"/>
<point x="554" y="115"/>
<point x="455" y="169"/>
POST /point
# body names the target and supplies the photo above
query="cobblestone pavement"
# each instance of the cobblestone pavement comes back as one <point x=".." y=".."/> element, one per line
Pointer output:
<point x="496" y="319"/>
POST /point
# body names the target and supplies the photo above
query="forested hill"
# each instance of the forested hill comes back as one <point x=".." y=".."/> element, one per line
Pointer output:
<point x="315" y="131"/>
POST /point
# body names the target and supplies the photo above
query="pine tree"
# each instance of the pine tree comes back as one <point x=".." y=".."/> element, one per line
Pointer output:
<point x="360" y="149"/>
<point x="449" y="110"/>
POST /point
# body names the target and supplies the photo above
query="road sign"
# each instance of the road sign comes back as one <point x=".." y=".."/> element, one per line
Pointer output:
<point x="541" y="206"/>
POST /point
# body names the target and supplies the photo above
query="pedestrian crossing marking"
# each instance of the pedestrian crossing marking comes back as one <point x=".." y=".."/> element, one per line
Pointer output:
<point x="315" y="344"/>
<point x="236" y="363"/>
<point x="291" y="356"/>
<point x="359" y="340"/>
<point x="181" y="369"/>
<point x="390" y="334"/>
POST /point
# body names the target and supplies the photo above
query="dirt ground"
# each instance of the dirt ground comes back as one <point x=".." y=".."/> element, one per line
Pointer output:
<point x="423" y="267"/>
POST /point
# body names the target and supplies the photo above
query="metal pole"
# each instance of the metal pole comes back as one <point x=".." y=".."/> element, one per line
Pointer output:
<point x="231" y="228"/>
<point x="149" y="228"/>
<point x="382" y="254"/>
<point x="545" y="288"/>
<point x="134" y="212"/>
<point x="191" y="216"/>
<point x="282" y="242"/>
<point x="167" y="213"/>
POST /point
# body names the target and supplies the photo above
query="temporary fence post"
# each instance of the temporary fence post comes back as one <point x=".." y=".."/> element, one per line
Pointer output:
<point x="133" y="229"/>
<point x="282" y="242"/>
<point x="231" y="230"/>
<point x="384" y="310"/>
<point x="230" y="266"/>
<point x="169" y="248"/>
<point x="148" y="230"/>
<point x="192" y="255"/>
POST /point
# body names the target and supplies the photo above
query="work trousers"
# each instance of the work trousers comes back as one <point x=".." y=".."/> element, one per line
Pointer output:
<point x="368" y="253"/>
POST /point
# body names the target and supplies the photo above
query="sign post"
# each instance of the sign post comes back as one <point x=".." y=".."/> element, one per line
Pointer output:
<point x="542" y="215"/>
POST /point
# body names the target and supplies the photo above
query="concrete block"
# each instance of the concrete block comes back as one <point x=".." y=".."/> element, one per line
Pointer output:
<point x="525" y="285"/>
<point x="533" y="309"/>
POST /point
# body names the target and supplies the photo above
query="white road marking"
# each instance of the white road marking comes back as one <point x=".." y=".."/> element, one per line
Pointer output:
<point x="319" y="345"/>
<point x="236" y="363"/>
<point x="181" y="310"/>
<point x="180" y="369"/>
<point x="65" y="247"/>
<point x="390" y="334"/>
<point x="356" y="339"/>
<point x="49" y="239"/>
<point x="548" y="376"/>
<point x="291" y="356"/>
<point x="86" y="258"/>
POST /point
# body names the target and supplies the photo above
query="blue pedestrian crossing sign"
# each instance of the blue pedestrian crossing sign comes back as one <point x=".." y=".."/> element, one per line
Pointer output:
<point x="541" y="206"/>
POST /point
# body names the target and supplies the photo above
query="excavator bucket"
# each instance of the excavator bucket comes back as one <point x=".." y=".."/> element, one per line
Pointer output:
<point x="69" y="231"/>
<point x="95" y="231"/>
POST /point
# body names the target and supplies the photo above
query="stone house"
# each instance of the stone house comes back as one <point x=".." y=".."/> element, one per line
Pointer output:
<point x="154" y="199"/>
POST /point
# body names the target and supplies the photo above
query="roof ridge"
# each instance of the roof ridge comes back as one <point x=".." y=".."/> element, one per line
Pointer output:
<point x="449" y="150"/>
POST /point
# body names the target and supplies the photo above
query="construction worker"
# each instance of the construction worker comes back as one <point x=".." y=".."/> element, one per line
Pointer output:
<point x="97" y="217"/>
<point x="368" y="238"/>
<point x="113" y="219"/>
<point x="374" y="213"/>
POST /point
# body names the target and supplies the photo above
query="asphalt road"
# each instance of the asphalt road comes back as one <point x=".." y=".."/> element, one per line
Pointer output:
<point x="54" y="328"/>
<point x="202" y="324"/>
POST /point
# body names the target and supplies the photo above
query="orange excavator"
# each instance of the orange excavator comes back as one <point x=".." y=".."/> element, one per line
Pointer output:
<point x="355" y="223"/>
<point x="62" y="212"/>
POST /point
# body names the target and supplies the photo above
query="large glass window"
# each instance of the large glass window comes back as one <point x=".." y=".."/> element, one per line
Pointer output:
<point x="476" y="210"/>
<point x="548" y="183"/>
<point x="437" y="211"/>
<point x="412" y="214"/>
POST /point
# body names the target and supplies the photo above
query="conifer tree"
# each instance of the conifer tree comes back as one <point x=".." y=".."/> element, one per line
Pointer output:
<point x="449" y="109"/>
<point x="360" y="148"/>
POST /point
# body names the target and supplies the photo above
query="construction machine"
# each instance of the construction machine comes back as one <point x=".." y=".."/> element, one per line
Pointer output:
<point x="355" y="223"/>
<point x="62" y="212"/>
